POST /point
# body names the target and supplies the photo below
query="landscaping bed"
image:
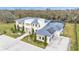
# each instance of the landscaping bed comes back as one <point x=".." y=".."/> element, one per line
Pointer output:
<point x="30" y="39"/>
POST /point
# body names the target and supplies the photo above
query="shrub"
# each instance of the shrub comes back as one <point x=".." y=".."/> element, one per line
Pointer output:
<point x="35" y="37"/>
<point x="14" y="26"/>
<point x="13" y="31"/>
<point x="4" y="32"/>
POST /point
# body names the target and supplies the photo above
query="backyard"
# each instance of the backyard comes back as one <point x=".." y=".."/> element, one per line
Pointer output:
<point x="5" y="28"/>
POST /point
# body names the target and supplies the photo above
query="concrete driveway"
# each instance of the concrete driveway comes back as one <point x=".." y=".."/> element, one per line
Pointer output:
<point x="11" y="44"/>
<point x="6" y="42"/>
<point x="22" y="46"/>
<point x="59" y="44"/>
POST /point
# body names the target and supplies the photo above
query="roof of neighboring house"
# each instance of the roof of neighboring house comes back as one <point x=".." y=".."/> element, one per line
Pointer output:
<point x="50" y="28"/>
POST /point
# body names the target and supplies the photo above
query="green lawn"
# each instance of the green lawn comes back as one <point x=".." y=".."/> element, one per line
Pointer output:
<point x="7" y="28"/>
<point x="69" y="31"/>
<point x="78" y="34"/>
<point x="30" y="40"/>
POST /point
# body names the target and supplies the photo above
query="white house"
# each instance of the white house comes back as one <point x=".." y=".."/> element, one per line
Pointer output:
<point x="53" y="29"/>
<point x="42" y="27"/>
<point x="30" y="23"/>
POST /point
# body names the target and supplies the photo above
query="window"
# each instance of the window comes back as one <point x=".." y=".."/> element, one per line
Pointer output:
<point x="39" y="37"/>
<point x="42" y="38"/>
<point x="36" y="30"/>
<point x="33" y="24"/>
<point x="39" y="25"/>
<point x="36" y="25"/>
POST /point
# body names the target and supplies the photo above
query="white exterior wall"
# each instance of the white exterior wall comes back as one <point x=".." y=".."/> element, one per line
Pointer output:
<point x="57" y="33"/>
<point x="27" y="28"/>
<point x="16" y="24"/>
<point x="41" y="38"/>
<point x="48" y="39"/>
<point x="35" y="27"/>
<point x="42" y="23"/>
<point x="20" y="25"/>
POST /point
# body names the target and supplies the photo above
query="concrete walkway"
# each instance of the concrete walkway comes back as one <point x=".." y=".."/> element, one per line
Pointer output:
<point x="21" y="37"/>
<point x="17" y="40"/>
<point x="13" y="42"/>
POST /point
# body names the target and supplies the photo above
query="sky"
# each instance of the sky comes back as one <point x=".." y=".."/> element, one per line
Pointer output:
<point x="39" y="3"/>
<point x="37" y="8"/>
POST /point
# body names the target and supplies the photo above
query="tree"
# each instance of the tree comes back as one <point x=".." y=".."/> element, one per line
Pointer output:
<point x="14" y="26"/>
<point x="4" y="32"/>
<point x="12" y="30"/>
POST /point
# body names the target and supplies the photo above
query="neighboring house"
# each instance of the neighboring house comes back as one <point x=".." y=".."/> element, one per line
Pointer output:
<point x="42" y="27"/>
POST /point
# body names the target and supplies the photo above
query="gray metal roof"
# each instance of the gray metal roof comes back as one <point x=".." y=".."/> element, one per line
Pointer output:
<point x="50" y="28"/>
<point x="35" y="21"/>
<point x="22" y="19"/>
<point x="43" y="32"/>
<point x="32" y="20"/>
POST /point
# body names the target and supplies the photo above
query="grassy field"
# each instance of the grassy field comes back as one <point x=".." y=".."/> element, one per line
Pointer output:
<point x="7" y="28"/>
<point x="78" y="34"/>
<point x="69" y="31"/>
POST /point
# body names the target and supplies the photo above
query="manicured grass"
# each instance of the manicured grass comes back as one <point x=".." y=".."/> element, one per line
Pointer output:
<point x="78" y="34"/>
<point x="30" y="40"/>
<point x="69" y="31"/>
<point x="7" y="28"/>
